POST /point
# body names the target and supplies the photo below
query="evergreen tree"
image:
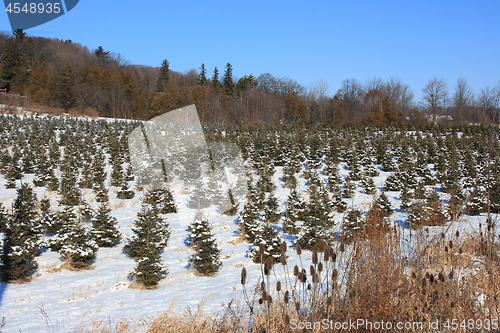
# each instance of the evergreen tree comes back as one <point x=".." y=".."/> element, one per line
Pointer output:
<point x="249" y="220"/>
<point x="201" y="238"/>
<point x="311" y="234"/>
<point x="117" y="171"/>
<point x="74" y="241"/>
<point x="49" y="220"/>
<point x="368" y="185"/>
<point x="384" y="205"/>
<point x="21" y="243"/>
<point x="353" y="224"/>
<point x="215" y="80"/>
<point x="161" y="84"/>
<point x="234" y="207"/>
<point x="202" y="77"/>
<point x="337" y="203"/>
<point x="70" y="193"/>
<point x="151" y="232"/>
<point x="105" y="227"/>
<point x="125" y="192"/>
<point x="295" y="211"/>
<point x="349" y="188"/>
<point x="227" y="81"/>
<point x="270" y="240"/>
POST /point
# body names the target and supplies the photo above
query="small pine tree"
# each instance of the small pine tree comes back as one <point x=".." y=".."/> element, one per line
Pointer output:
<point x="49" y="220"/>
<point x="149" y="228"/>
<point x="249" y="220"/>
<point x="353" y="224"/>
<point x="125" y="192"/>
<point x="105" y="227"/>
<point x="311" y="234"/>
<point x="384" y="205"/>
<point x="295" y="211"/>
<point x="349" y="188"/>
<point x="201" y="238"/>
<point x="149" y="270"/>
<point x="337" y="203"/>
<point x="21" y="243"/>
<point x="74" y="241"/>
<point x="368" y="185"/>
<point x="270" y="240"/>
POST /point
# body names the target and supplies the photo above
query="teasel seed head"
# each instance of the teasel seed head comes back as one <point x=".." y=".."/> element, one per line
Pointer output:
<point x="299" y="250"/>
<point x="244" y="276"/>
<point x="283" y="247"/>
<point x="334" y="274"/>
<point x="315" y="258"/>
<point x="320" y="267"/>
<point x="278" y="286"/>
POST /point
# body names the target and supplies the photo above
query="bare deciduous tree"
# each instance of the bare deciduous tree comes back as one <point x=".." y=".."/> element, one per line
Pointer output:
<point x="463" y="99"/>
<point x="435" y="96"/>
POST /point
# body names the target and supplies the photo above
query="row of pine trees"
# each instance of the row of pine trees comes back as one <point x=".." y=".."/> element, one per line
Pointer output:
<point x="323" y="169"/>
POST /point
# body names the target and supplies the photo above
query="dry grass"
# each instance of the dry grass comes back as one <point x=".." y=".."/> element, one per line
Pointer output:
<point x="374" y="278"/>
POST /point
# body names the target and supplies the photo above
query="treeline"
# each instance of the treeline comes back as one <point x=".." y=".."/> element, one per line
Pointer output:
<point x="69" y="76"/>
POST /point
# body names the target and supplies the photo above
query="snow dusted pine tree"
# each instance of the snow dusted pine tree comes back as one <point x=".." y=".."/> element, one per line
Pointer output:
<point x="201" y="238"/>
<point x="74" y="241"/>
<point x="149" y="228"/>
<point x="21" y="243"/>
<point x="249" y="219"/>
<point x="294" y="212"/>
<point x="268" y="238"/>
<point x="105" y="227"/>
<point x="151" y="234"/>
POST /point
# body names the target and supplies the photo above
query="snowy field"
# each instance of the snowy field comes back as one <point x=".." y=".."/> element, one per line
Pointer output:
<point x="60" y="300"/>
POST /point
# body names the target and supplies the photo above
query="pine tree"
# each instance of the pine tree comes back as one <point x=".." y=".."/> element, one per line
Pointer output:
<point x="249" y="219"/>
<point x="105" y="227"/>
<point x="267" y="237"/>
<point x="49" y="220"/>
<point x="200" y="197"/>
<point x="74" y="241"/>
<point x="21" y="243"/>
<point x="201" y="238"/>
<point x="227" y="81"/>
<point x="353" y="224"/>
<point x="337" y="203"/>
<point x="151" y="235"/>
<point x="125" y="192"/>
<point x="117" y="176"/>
<point x="294" y="212"/>
<point x="349" y="188"/>
<point x="311" y="234"/>
<point x="151" y="232"/>
<point x="368" y="185"/>
<point x="70" y="193"/>
<point x="161" y="84"/>
<point x="384" y="205"/>
<point x="202" y="77"/>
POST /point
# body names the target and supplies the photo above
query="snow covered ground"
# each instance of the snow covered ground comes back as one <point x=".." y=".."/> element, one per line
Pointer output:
<point x="60" y="300"/>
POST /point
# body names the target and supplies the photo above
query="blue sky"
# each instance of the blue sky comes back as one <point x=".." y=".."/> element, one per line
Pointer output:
<point x="304" y="40"/>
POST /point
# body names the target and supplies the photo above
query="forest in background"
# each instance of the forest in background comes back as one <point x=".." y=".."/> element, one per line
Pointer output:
<point x="68" y="76"/>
